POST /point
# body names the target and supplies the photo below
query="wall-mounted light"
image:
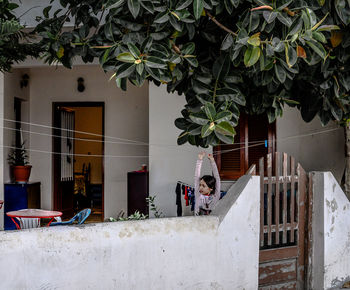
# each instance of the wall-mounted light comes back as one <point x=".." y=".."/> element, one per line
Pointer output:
<point x="24" y="81"/>
<point x="81" y="86"/>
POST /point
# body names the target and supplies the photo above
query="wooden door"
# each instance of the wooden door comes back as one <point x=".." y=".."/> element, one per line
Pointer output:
<point x="282" y="224"/>
<point x="63" y="160"/>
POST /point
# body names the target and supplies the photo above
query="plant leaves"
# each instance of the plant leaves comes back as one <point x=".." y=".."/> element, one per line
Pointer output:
<point x="280" y="73"/>
<point x="126" y="57"/>
<point x="221" y="67"/>
<point x="197" y="8"/>
<point x="207" y="130"/>
<point x="199" y="118"/>
<point x="125" y="70"/>
<point x="223" y="116"/>
<point x="225" y="128"/>
<point x="251" y="55"/>
<point x="134" y="7"/>
<point x="210" y="110"/>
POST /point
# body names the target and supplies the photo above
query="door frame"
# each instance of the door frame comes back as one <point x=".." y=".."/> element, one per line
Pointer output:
<point x="55" y="145"/>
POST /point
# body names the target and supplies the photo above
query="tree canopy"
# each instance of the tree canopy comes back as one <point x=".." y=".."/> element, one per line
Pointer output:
<point x="225" y="56"/>
<point x="14" y="44"/>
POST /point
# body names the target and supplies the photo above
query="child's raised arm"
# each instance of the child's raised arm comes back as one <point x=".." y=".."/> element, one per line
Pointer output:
<point x="216" y="176"/>
<point x="197" y="172"/>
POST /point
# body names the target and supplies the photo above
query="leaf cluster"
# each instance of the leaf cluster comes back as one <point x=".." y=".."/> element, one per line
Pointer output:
<point x="14" y="42"/>
<point x="225" y="56"/>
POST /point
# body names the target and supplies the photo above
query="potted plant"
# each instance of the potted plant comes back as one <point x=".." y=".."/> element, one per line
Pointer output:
<point x="18" y="159"/>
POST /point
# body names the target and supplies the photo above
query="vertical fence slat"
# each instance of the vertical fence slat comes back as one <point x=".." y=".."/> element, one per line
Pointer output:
<point x="261" y="172"/>
<point x="285" y="164"/>
<point x="269" y="198"/>
<point x="292" y="198"/>
<point x="301" y="203"/>
<point x="277" y="197"/>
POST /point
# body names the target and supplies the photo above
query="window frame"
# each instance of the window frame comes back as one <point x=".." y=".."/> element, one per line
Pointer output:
<point x="244" y="150"/>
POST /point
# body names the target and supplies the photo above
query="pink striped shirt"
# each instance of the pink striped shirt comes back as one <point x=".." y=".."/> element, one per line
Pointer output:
<point x="206" y="202"/>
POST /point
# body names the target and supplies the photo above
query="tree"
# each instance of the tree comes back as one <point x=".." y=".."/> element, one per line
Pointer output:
<point x="225" y="56"/>
<point x="14" y="42"/>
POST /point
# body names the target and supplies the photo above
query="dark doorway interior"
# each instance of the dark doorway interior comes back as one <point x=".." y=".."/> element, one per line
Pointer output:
<point x="78" y="168"/>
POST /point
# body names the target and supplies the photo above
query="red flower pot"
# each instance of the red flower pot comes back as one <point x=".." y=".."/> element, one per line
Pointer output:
<point x="21" y="173"/>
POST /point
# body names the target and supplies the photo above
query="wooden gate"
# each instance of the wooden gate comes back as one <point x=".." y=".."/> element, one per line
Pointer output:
<point x="282" y="223"/>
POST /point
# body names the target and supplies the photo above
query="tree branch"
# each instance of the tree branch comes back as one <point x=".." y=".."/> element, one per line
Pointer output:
<point x="219" y="24"/>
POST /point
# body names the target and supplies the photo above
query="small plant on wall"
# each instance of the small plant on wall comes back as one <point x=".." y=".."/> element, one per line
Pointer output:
<point x="18" y="160"/>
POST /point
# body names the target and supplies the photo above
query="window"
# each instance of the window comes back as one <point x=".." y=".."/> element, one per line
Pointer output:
<point x="249" y="146"/>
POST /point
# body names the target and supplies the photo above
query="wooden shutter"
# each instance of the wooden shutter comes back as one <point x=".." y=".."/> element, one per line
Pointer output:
<point x="234" y="160"/>
<point x="258" y="130"/>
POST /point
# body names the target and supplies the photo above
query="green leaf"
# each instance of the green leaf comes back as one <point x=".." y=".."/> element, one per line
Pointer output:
<point x="181" y="123"/>
<point x="251" y="55"/>
<point x="227" y="42"/>
<point x="197" y="8"/>
<point x="207" y="130"/>
<point x="192" y="61"/>
<point x="134" y="7"/>
<point x="284" y="5"/>
<point x="225" y="128"/>
<point x="319" y="36"/>
<point x="318" y="48"/>
<point x="291" y="55"/>
<point x="121" y="83"/>
<point x="125" y="70"/>
<point x="297" y="26"/>
<point x="139" y="68"/>
<point x="188" y="48"/>
<point x="312" y="17"/>
<point x="270" y="16"/>
<point x="280" y="73"/>
<point x="223" y="116"/>
<point x="134" y="50"/>
<point x="155" y="62"/>
<point x="321" y="2"/>
<point x="162" y="17"/>
<point x="221" y="67"/>
<point x="210" y="111"/>
<point x="46" y="11"/>
<point x="284" y="19"/>
<point x="182" y="4"/>
<point x="126" y="57"/>
<point x="199" y="118"/>
<point x="328" y="28"/>
<point x="254" y="39"/>
<point x="225" y="138"/>
<point x="183" y="138"/>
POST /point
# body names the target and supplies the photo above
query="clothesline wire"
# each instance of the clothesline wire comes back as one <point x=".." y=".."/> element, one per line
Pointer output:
<point x="122" y="156"/>
<point x="144" y="143"/>
<point x="74" y="131"/>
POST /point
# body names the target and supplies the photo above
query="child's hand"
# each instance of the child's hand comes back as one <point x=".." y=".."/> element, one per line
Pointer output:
<point x="210" y="157"/>
<point x="201" y="155"/>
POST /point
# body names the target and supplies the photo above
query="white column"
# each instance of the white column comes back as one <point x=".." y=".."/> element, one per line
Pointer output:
<point x="2" y="159"/>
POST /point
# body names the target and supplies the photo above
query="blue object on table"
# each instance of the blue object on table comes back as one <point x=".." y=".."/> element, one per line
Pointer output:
<point x="80" y="217"/>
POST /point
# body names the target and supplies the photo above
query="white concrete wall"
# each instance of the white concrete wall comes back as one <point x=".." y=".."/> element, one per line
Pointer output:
<point x="126" y="116"/>
<point x="330" y="258"/>
<point x="2" y="159"/>
<point x="168" y="161"/>
<point x="317" y="152"/>
<point x="211" y="252"/>
<point x="12" y="89"/>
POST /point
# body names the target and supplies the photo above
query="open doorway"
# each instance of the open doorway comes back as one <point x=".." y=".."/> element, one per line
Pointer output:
<point x="78" y="159"/>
